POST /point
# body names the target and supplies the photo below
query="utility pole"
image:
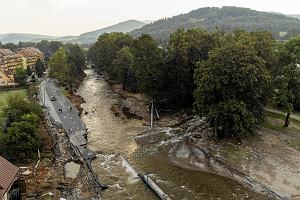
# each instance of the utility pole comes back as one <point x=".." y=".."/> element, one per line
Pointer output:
<point x="44" y="97"/>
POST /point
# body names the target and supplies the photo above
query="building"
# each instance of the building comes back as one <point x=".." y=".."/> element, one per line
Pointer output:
<point x="31" y="54"/>
<point x="10" y="60"/>
<point x="8" y="175"/>
<point x="6" y="77"/>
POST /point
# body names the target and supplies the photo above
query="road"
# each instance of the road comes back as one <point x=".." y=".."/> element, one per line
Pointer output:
<point x="69" y="119"/>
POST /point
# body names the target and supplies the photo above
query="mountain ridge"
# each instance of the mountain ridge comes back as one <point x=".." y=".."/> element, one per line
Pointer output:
<point x="87" y="37"/>
<point x="227" y="18"/>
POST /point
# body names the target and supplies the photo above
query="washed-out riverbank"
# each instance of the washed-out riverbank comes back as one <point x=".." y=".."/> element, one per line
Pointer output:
<point x="111" y="135"/>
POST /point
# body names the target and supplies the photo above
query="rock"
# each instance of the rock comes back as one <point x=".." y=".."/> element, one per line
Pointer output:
<point x="199" y="154"/>
<point x="183" y="152"/>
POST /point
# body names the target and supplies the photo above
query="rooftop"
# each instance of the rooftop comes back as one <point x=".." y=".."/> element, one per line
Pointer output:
<point x="6" y="52"/>
<point x="29" y="51"/>
<point x="8" y="173"/>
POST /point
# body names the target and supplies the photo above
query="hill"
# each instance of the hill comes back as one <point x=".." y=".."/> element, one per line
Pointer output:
<point x="85" y="38"/>
<point x="225" y="18"/>
<point x="295" y="16"/>
<point x="124" y="27"/>
<point x="16" y="37"/>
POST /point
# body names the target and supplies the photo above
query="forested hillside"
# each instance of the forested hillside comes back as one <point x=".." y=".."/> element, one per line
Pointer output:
<point x="225" y="18"/>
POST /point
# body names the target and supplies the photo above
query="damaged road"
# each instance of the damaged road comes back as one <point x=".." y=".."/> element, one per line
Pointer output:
<point x="70" y="133"/>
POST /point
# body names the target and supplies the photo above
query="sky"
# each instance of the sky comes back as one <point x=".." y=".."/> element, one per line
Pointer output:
<point x="73" y="17"/>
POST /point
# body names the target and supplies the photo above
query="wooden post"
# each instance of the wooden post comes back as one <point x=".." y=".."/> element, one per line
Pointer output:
<point x="155" y="188"/>
<point x="146" y="179"/>
<point x="151" y="123"/>
<point x="157" y="113"/>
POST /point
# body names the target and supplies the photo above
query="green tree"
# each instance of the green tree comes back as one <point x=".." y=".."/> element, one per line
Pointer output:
<point x="20" y="119"/>
<point x="20" y="75"/>
<point x="262" y="42"/>
<point x="232" y="89"/>
<point x="147" y="65"/>
<point x="287" y="90"/>
<point x="184" y="50"/>
<point x="123" y="69"/>
<point x="76" y="59"/>
<point x="287" y="77"/>
<point x="59" y="67"/>
<point x="106" y="49"/>
<point x="39" y="68"/>
<point x="22" y="136"/>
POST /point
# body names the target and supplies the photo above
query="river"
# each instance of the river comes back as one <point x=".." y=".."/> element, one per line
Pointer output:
<point x="110" y="136"/>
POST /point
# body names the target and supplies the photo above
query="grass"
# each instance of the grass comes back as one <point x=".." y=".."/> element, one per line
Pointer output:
<point x="281" y="118"/>
<point x="4" y="94"/>
<point x="237" y="154"/>
<point x="65" y="92"/>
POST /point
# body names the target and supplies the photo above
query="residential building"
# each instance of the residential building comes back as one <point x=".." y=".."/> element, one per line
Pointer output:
<point x="8" y="175"/>
<point x="6" y="77"/>
<point x="31" y="54"/>
<point x="10" y="60"/>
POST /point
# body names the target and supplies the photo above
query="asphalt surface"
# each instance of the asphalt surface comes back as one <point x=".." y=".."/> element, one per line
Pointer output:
<point x="68" y="118"/>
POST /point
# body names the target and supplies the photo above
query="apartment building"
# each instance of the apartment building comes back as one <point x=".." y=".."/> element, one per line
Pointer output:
<point x="9" y="61"/>
<point x="31" y="54"/>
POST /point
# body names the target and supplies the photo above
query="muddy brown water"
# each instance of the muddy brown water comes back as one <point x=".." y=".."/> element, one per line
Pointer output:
<point x="111" y="136"/>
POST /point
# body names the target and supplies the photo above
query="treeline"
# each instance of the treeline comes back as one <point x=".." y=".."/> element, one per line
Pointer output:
<point x="48" y="48"/>
<point x="228" y="78"/>
<point x="67" y="63"/>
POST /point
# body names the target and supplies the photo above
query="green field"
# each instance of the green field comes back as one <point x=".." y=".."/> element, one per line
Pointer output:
<point x="4" y="94"/>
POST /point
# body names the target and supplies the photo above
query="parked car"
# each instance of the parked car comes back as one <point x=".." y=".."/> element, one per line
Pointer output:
<point x="53" y="98"/>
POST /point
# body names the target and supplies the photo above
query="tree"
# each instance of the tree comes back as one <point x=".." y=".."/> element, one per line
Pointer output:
<point x="21" y="119"/>
<point x="123" y="69"/>
<point x="22" y="135"/>
<point x="39" y="68"/>
<point x="287" y="77"/>
<point x="20" y="75"/>
<point x="184" y="50"/>
<point x="232" y="89"/>
<point x="147" y="65"/>
<point x="76" y="59"/>
<point x="262" y="42"/>
<point x="106" y="49"/>
<point x="287" y="90"/>
<point x="59" y="67"/>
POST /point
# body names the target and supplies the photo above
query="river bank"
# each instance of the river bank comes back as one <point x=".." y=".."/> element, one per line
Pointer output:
<point x="112" y="134"/>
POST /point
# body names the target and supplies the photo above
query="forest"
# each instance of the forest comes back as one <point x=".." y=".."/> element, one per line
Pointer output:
<point x="227" y="18"/>
<point x="226" y="77"/>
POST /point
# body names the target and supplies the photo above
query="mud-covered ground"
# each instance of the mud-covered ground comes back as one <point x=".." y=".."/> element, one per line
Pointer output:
<point x="50" y="178"/>
<point x="267" y="162"/>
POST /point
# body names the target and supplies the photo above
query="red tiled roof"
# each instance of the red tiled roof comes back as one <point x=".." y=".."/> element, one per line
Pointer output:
<point x="6" y="52"/>
<point x="8" y="173"/>
<point x="29" y="51"/>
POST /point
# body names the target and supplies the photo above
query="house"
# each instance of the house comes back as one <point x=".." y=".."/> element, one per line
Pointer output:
<point x="31" y="54"/>
<point x="8" y="175"/>
<point x="10" y="60"/>
<point x="6" y="77"/>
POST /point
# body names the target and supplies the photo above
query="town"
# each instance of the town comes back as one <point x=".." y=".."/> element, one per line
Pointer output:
<point x="200" y="102"/>
<point x="24" y="58"/>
